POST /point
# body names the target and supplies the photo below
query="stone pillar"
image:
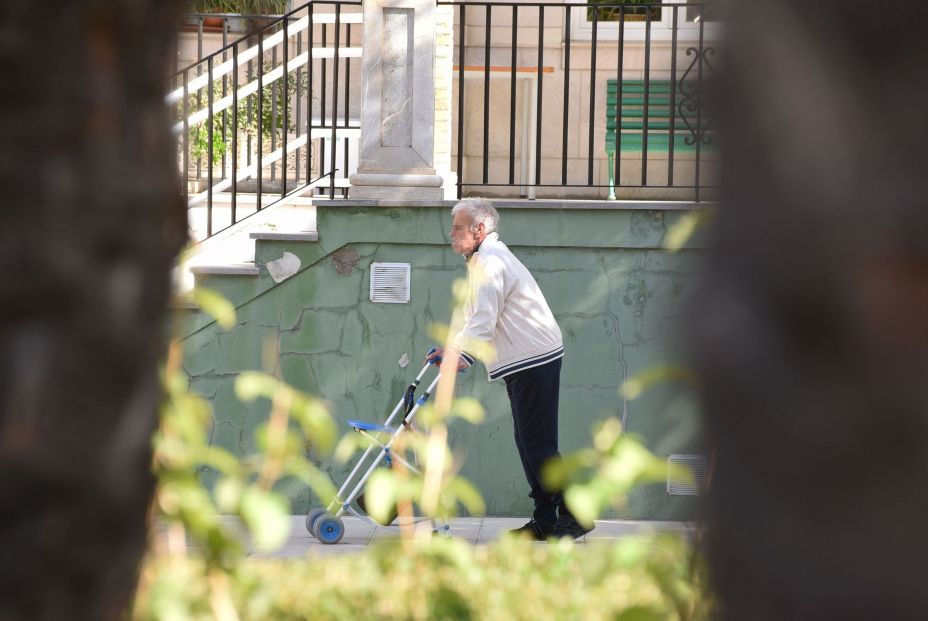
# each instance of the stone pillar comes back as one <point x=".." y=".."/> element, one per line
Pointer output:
<point x="397" y="150"/>
<point x="444" y="72"/>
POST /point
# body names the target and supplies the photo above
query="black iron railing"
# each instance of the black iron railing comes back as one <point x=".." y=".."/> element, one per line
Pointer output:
<point x="270" y="116"/>
<point x="596" y="90"/>
<point x="200" y="34"/>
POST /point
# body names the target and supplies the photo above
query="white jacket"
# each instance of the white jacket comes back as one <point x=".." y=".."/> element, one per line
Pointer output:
<point x="506" y="309"/>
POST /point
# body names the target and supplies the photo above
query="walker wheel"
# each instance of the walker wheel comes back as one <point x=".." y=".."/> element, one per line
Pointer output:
<point x="329" y="529"/>
<point x="311" y="519"/>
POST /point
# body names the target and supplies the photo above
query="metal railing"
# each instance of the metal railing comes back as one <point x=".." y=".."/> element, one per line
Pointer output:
<point x="551" y="81"/>
<point x="206" y="32"/>
<point x="270" y="116"/>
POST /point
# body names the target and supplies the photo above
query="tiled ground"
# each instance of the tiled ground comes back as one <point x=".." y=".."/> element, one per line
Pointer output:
<point x="479" y="531"/>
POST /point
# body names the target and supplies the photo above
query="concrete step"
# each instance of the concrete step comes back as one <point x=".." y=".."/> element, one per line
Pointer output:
<point x="300" y="215"/>
<point x="232" y="269"/>
<point x="304" y="236"/>
<point x="232" y="247"/>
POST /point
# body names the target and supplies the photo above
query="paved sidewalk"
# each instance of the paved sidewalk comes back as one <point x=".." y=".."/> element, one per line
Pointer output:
<point x="479" y="531"/>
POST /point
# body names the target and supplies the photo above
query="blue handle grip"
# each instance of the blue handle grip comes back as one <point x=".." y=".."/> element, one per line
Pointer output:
<point x="433" y="360"/>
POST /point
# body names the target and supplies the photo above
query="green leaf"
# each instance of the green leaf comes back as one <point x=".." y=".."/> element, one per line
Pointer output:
<point x="460" y="288"/>
<point x="469" y="409"/>
<point x="317" y="423"/>
<point x="290" y="443"/>
<point x="267" y="516"/>
<point x="216" y="457"/>
<point x="631" y="465"/>
<point x="682" y="230"/>
<point x="481" y="350"/>
<point x="464" y="492"/>
<point x="634" y="387"/>
<point x="427" y="415"/>
<point x="438" y="332"/>
<point x="190" y="419"/>
<point x="380" y="495"/>
<point x="253" y="384"/>
<point x="557" y="473"/>
<point x="584" y="503"/>
<point x="349" y="444"/>
<point x="632" y="551"/>
<point x="215" y="305"/>
<point x="228" y="493"/>
<point x="312" y="476"/>
<point x="607" y="434"/>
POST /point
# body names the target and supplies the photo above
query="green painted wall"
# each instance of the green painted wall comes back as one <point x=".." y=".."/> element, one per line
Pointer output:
<point x="614" y="292"/>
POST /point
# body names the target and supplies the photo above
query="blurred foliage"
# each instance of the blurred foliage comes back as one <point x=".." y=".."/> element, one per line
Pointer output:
<point x="245" y="485"/>
<point x="685" y="227"/>
<point x="636" y="579"/>
<point x="437" y="490"/>
<point x="642" y="578"/>
<point x="600" y="477"/>
<point x="635" y="386"/>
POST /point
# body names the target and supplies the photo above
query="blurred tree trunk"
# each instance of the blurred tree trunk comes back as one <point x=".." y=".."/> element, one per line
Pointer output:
<point x="91" y="220"/>
<point x="812" y="334"/>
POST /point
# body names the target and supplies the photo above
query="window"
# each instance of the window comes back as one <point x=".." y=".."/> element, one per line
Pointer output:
<point x="637" y="14"/>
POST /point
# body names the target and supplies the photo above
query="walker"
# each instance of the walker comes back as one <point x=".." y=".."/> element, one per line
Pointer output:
<point x="326" y="524"/>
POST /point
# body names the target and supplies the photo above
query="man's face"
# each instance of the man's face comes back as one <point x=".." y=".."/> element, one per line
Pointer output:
<point x="465" y="238"/>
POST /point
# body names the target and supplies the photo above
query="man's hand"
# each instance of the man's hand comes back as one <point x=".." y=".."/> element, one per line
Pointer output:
<point x="435" y="355"/>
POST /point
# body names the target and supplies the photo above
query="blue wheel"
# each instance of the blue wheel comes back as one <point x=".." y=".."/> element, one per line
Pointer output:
<point x="312" y="518"/>
<point x="329" y="529"/>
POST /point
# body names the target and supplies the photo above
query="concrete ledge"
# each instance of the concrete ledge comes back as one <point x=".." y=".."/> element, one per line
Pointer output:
<point x="527" y="204"/>
<point x="241" y="269"/>
<point x="307" y="236"/>
<point x="396" y="180"/>
<point x="176" y="303"/>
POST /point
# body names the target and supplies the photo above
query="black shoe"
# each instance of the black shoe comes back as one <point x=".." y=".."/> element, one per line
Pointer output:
<point x="534" y="529"/>
<point x="568" y="526"/>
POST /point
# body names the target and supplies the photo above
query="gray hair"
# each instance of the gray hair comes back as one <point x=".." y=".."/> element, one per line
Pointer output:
<point x="480" y="211"/>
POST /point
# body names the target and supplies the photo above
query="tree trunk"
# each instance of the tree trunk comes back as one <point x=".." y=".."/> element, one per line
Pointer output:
<point x="91" y="222"/>
<point x="812" y="330"/>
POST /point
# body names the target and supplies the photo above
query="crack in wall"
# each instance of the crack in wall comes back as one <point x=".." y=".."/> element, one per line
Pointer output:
<point x="588" y="386"/>
<point x="624" y="363"/>
<point x="213" y="374"/>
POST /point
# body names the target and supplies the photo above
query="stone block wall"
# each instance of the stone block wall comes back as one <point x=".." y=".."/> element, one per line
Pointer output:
<point x="616" y="295"/>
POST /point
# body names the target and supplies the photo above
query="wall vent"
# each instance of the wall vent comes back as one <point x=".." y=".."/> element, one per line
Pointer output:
<point x="390" y="283"/>
<point x="692" y="485"/>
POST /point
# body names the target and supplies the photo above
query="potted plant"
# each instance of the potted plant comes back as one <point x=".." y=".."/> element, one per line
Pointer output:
<point x="251" y="9"/>
<point x="633" y="11"/>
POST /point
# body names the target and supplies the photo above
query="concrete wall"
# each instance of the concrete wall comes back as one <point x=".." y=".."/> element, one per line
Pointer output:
<point x="614" y="292"/>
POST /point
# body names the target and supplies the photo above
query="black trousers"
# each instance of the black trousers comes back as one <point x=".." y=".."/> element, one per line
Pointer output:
<point x="533" y="394"/>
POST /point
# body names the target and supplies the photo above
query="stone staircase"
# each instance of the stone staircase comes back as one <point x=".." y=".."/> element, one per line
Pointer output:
<point x="231" y="250"/>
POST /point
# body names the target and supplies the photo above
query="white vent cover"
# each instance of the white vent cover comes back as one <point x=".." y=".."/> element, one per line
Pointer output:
<point x="692" y="485"/>
<point x="390" y="283"/>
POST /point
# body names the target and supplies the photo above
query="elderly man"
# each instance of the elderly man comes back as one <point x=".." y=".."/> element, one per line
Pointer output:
<point x="506" y="309"/>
